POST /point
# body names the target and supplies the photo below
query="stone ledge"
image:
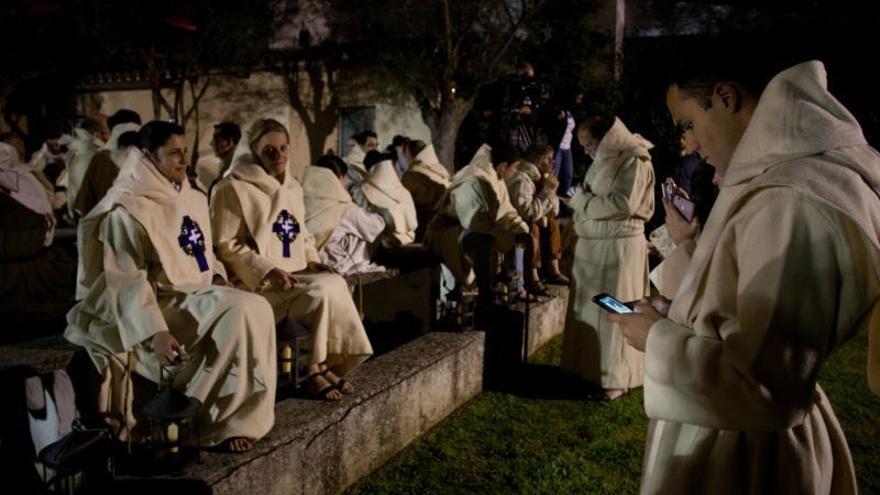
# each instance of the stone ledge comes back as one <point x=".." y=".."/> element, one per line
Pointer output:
<point x="546" y="318"/>
<point x="323" y="447"/>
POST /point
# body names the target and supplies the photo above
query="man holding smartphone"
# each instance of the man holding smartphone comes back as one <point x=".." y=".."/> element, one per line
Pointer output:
<point x="610" y="211"/>
<point x="784" y="272"/>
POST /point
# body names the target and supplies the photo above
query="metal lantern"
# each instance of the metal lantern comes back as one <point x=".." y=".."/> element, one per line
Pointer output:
<point x="506" y="290"/>
<point x="79" y="462"/>
<point x="173" y="425"/>
<point x="507" y="286"/>
<point x="457" y="312"/>
<point x="291" y="338"/>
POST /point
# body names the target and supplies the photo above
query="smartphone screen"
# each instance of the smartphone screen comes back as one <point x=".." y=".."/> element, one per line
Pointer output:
<point x="684" y="206"/>
<point x="611" y="303"/>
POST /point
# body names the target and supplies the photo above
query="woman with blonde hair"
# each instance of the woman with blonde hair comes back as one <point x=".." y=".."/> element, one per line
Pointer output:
<point x="261" y="236"/>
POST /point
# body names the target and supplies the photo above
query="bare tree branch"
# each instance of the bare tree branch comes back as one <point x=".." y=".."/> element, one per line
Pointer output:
<point x="524" y="16"/>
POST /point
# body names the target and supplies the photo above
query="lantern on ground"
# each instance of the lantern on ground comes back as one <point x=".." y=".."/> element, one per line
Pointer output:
<point x="173" y="430"/>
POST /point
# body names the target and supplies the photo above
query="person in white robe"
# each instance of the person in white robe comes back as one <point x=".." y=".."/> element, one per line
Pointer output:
<point x="345" y="234"/>
<point x="104" y="166"/>
<point x="610" y="255"/>
<point x="426" y="179"/>
<point x="36" y="277"/>
<point x="364" y="142"/>
<point x="784" y="272"/>
<point x="475" y="220"/>
<point x="382" y="193"/>
<point x="152" y="296"/>
<point x="261" y="235"/>
<point x="85" y="143"/>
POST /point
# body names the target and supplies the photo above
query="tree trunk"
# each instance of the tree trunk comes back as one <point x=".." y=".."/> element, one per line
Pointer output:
<point x="452" y="114"/>
<point x="319" y="115"/>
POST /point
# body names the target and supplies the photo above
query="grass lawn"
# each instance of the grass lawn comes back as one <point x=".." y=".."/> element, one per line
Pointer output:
<point x="539" y="438"/>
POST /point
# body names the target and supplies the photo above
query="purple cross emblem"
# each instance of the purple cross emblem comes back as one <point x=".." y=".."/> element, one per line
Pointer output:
<point x="286" y="229"/>
<point x="192" y="241"/>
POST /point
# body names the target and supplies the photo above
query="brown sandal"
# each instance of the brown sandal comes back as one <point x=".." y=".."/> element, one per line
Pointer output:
<point x="340" y="383"/>
<point x="322" y="393"/>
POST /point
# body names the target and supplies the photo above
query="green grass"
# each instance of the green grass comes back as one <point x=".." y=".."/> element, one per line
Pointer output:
<point x="523" y="443"/>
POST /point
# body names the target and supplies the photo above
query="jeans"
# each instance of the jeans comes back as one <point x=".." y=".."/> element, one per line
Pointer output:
<point x="515" y="261"/>
<point x="563" y="168"/>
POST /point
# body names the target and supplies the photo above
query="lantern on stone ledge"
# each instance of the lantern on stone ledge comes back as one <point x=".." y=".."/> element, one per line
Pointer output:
<point x="456" y="312"/>
<point x="173" y="425"/>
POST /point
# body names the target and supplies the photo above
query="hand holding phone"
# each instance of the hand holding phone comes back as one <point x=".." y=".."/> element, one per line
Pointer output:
<point x="611" y="304"/>
<point x="678" y="198"/>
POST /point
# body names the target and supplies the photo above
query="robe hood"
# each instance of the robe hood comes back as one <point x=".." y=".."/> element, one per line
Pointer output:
<point x="326" y="202"/>
<point x="153" y="201"/>
<point x="273" y="213"/>
<point x="620" y="142"/>
<point x="383" y="190"/>
<point x="530" y="170"/>
<point x="795" y="117"/>
<point x="116" y="154"/>
<point x="427" y="164"/>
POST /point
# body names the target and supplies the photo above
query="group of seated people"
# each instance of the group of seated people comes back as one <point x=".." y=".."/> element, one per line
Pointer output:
<point x="169" y="280"/>
<point x="175" y="280"/>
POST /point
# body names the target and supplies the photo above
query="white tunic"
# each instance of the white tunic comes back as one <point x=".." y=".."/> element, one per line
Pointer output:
<point x="785" y="271"/>
<point x="146" y="266"/>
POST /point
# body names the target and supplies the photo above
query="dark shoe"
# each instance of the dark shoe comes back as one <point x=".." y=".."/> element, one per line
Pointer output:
<point x="340" y="384"/>
<point x="526" y="296"/>
<point x="322" y="391"/>
<point x="557" y="279"/>
<point x="537" y="288"/>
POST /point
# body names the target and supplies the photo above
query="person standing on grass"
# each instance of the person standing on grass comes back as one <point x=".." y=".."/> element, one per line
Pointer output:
<point x="784" y="272"/>
<point x="610" y="255"/>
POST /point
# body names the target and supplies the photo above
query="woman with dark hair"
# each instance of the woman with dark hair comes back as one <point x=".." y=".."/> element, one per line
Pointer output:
<point x="261" y="235"/>
<point x="344" y="232"/>
<point x="610" y="254"/>
<point x="152" y="295"/>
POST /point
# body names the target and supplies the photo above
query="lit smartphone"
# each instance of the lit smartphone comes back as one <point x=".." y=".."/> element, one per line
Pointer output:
<point x="611" y="304"/>
<point x="684" y="205"/>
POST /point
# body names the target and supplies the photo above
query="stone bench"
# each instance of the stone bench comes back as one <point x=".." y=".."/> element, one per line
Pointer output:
<point x="324" y="447"/>
<point x="398" y="304"/>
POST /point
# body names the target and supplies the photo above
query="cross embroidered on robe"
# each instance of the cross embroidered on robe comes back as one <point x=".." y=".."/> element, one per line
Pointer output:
<point x="286" y="229"/>
<point x="192" y="241"/>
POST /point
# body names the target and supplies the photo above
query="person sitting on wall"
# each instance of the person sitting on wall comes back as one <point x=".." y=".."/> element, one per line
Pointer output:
<point x="261" y="235"/>
<point x="151" y="295"/>
<point x="345" y="234"/>
<point x="426" y="180"/>
<point x="475" y="220"/>
<point x="383" y="193"/>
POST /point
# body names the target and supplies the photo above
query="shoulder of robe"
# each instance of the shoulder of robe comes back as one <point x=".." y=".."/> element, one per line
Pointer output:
<point x="776" y="203"/>
<point x="196" y="195"/>
<point x="224" y="186"/>
<point x="119" y="214"/>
